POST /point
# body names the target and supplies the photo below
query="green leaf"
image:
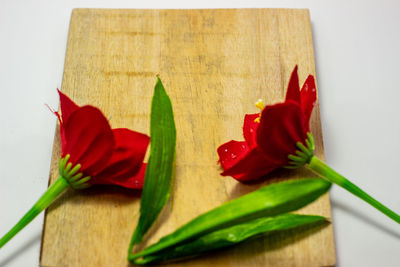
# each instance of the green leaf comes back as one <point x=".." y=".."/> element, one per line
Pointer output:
<point x="158" y="177"/>
<point x="233" y="235"/>
<point x="271" y="200"/>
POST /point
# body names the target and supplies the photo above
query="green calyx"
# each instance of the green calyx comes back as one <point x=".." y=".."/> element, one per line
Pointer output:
<point x="304" y="153"/>
<point x="71" y="174"/>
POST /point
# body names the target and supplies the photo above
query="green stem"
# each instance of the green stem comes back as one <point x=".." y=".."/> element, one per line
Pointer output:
<point x="59" y="186"/>
<point x="320" y="168"/>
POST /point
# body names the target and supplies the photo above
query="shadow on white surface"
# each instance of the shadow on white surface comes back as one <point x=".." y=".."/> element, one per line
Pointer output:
<point x="352" y="211"/>
<point x="9" y="259"/>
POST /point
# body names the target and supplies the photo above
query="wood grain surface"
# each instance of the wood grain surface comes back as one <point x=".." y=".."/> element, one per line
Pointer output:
<point x="214" y="64"/>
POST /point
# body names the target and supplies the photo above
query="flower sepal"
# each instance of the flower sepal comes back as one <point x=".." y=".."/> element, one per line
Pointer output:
<point x="304" y="153"/>
<point x="71" y="174"/>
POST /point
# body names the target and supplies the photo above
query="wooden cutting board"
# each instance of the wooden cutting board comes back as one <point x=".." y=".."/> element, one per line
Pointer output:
<point x="214" y="64"/>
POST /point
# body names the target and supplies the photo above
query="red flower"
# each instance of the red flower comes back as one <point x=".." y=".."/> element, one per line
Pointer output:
<point x="270" y="139"/>
<point x="105" y="155"/>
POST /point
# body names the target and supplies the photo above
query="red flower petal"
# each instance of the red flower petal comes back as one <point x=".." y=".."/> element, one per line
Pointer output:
<point x="67" y="106"/>
<point x="230" y="152"/>
<point x="133" y="182"/>
<point x="250" y="129"/>
<point x="89" y="139"/>
<point x="293" y="91"/>
<point x="269" y="143"/>
<point x="126" y="160"/>
<point x="281" y="127"/>
<point x="243" y="163"/>
<point x="308" y="96"/>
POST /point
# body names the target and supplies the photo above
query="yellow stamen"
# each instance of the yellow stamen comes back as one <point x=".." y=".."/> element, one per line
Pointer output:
<point x="259" y="104"/>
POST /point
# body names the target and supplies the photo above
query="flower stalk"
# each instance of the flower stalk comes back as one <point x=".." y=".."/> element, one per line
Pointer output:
<point x="319" y="167"/>
<point x="58" y="187"/>
<point x="69" y="177"/>
<point x="305" y="155"/>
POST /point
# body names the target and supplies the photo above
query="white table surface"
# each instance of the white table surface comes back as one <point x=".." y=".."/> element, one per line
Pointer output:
<point x="357" y="48"/>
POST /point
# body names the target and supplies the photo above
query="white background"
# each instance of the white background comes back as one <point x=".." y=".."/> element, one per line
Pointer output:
<point x="357" y="48"/>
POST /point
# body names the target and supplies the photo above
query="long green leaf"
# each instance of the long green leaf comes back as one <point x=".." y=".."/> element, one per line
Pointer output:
<point x="267" y="201"/>
<point x="158" y="177"/>
<point x="233" y="235"/>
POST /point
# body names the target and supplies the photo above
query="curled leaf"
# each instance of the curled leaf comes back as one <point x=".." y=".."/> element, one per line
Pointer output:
<point x="271" y="200"/>
<point x="233" y="235"/>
